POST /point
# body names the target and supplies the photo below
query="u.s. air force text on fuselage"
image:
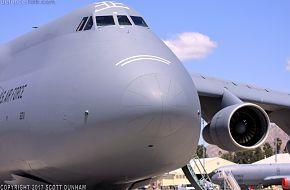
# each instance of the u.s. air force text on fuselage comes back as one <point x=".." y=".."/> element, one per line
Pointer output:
<point x="11" y="94"/>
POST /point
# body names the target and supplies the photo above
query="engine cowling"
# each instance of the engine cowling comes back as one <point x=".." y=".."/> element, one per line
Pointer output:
<point x="285" y="183"/>
<point x="238" y="127"/>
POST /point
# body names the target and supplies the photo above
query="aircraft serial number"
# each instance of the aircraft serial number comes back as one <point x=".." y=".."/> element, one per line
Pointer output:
<point x="12" y="94"/>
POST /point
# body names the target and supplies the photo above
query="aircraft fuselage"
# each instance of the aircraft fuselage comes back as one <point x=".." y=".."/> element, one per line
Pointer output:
<point x="112" y="104"/>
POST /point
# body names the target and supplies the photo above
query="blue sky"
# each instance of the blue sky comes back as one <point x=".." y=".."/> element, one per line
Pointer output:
<point x="246" y="41"/>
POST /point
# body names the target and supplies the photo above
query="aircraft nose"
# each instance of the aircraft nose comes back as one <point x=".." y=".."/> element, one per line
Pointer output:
<point x="216" y="179"/>
<point x="158" y="104"/>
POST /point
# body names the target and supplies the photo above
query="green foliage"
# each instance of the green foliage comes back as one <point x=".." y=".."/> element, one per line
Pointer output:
<point x="258" y="154"/>
<point x="228" y="156"/>
<point x="249" y="156"/>
<point x="268" y="150"/>
<point x="201" y="151"/>
<point x="244" y="157"/>
<point x="278" y="143"/>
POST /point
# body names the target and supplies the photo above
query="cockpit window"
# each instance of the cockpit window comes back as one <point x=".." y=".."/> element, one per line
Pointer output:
<point x="82" y="24"/>
<point x="123" y="20"/>
<point x="89" y="24"/>
<point x="105" y="20"/>
<point x="139" y="21"/>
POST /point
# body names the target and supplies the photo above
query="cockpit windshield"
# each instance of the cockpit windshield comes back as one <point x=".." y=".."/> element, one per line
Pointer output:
<point x="87" y="22"/>
<point x="105" y="20"/>
<point x="139" y="21"/>
<point x="82" y="24"/>
<point x="217" y="171"/>
<point x="123" y="20"/>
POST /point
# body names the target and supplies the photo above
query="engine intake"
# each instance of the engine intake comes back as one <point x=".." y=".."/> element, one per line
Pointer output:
<point x="238" y="127"/>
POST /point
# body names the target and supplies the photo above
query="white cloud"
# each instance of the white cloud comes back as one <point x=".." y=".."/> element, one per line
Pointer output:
<point x="191" y="45"/>
<point x="288" y="65"/>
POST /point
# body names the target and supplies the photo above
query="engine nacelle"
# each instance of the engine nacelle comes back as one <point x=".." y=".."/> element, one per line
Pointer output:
<point x="285" y="183"/>
<point x="238" y="127"/>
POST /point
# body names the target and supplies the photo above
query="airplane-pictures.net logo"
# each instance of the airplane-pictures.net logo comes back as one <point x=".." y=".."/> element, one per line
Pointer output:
<point x="27" y="2"/>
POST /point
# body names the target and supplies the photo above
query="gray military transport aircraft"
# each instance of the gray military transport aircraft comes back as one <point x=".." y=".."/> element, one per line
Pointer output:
<point x="96" y="98"/>
<point x="254" y="175"/>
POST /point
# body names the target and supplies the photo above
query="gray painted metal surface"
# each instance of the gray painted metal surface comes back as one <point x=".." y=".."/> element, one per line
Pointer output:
<point x="211" y="90"/>
<point x="111" y="105"/>
<point x="102" y="106"/>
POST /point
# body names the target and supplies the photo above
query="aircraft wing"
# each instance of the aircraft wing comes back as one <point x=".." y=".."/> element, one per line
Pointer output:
<point x="211" y="91"/>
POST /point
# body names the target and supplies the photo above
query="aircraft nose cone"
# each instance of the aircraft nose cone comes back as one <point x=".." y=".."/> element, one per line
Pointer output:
<point x="158" y="105"/>
<point x="216" y="179"/>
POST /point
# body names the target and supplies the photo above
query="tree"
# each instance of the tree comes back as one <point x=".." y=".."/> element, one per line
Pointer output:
<point x="201" y="151"/>
<point x="268" y="150"/>
<point x="228" y="156"/>
<point x="285" y="150"/>
<point x="244" y="157"/>
<point x="278" y="144"/>
<point x="258" y="155"/>
<point x="249" y="156"/>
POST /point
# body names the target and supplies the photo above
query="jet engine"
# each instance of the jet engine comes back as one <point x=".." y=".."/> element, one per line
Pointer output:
<point x="285" y="183"/>
<point x="238" y="127"/>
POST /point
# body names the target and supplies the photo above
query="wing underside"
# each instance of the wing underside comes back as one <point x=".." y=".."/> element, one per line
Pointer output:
<point x="211" y="91"/>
